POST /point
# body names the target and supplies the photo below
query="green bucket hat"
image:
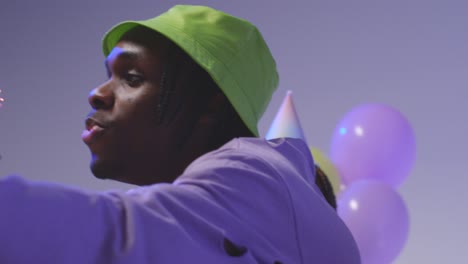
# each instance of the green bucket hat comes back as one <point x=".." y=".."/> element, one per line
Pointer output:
<point x="230" y="49"/>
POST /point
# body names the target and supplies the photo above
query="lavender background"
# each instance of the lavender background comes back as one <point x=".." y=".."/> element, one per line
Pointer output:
<point x="333" y="55"/>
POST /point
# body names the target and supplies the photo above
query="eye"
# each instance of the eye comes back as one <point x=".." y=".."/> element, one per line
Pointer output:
<point x="133" y="80"/>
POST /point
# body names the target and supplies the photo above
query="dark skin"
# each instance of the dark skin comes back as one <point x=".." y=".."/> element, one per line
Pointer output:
<point x="132" y="147"/>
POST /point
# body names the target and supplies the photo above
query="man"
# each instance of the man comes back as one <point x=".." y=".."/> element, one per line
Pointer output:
<point x="177" y="116"/>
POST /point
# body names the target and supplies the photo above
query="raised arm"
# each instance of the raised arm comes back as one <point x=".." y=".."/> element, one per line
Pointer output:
<point x="49" y="223"/>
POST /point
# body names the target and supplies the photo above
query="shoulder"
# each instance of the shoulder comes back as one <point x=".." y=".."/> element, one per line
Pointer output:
<point x="252" y="169"/>
<point x="256" y="154"/>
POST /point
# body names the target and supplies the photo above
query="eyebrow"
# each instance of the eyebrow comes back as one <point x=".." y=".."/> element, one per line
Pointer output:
<point x="124" y="55"/>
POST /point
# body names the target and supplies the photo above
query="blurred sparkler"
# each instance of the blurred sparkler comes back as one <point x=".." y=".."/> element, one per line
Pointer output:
<point x="1" y="99"/>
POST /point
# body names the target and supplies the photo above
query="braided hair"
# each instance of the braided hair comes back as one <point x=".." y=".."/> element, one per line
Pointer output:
<point x="166" y="85"/>
<point x="321" y="180"/>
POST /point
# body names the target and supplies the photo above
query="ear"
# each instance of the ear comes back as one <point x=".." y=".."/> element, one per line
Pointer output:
<point x="207" y="123"/>
<point x="198" y="139"/>
<point x="215" y="109"/>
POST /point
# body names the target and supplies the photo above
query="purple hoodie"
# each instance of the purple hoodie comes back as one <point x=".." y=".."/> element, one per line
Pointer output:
<point x="251" y="201"/>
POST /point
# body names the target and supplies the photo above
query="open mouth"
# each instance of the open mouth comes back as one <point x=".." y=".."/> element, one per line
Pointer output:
<point x="90" y="123"/>
<point x="93" y="130"/>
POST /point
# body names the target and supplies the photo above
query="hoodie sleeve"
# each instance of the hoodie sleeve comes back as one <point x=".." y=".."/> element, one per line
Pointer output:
<point x="51" y="223"/>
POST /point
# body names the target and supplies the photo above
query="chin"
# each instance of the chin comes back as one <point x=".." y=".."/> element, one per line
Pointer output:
<point x="105" y="169"/>
<point x="111" y="170"/>
<point x="129" y="172"/>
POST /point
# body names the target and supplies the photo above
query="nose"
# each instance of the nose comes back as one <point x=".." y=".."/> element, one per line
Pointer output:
<point x="102" y="97"/>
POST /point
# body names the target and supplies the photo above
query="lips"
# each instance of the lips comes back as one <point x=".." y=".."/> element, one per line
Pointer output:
<point x="93" y="131"/>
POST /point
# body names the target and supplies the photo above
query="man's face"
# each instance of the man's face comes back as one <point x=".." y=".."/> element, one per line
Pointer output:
<point x="121" y="132"/>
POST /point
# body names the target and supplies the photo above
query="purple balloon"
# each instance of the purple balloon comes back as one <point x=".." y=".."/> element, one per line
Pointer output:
<point x="374" y="142"/>
<point x="378" y="219"/>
